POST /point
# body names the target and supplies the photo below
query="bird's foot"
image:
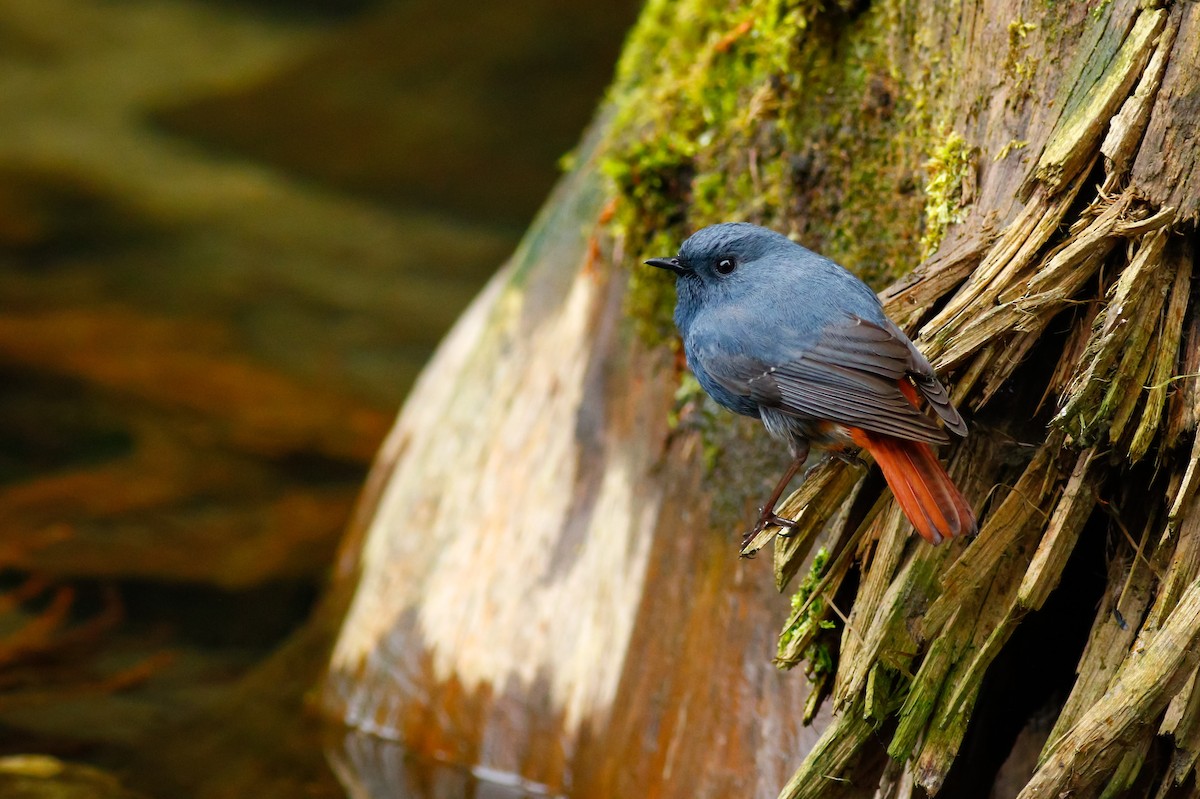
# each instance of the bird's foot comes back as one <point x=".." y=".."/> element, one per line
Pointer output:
<point x="766" y="520"/>
<point x="775" y="520"/>
<point x="848" y="457"/>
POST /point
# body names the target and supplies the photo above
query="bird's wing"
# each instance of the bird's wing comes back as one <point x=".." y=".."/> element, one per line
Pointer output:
<point x="851" y="375"/>
<point x="930" y="387"/>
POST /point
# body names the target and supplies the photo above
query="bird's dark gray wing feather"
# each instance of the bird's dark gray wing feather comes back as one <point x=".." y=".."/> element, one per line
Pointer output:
<point x="932" y="389"/>
<point x="848" y="376"/>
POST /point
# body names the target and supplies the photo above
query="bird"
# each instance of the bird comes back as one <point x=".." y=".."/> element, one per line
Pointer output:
<point x="777" y="332"/>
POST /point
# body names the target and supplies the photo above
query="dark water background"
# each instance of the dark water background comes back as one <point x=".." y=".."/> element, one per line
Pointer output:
<point x="231" y="232"/>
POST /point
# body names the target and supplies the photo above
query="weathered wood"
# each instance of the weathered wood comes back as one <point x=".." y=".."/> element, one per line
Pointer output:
<point x="1183" y="398"/>
<point x="1129" y="592"/>
<point x="909" y="299"/>
<point x="1126" y="128"/>
<point x="978" y="609"/>
<point x="875" y="632"/>
<point x="1010" y="256"/>
<point x="1167" y="166"/>
<point x="1167" y="343"/>
<point x="1120" y="330"/>
<point x="834" y="766"/>
<point x="1135" y="748"/>
<point x="1072" y="511"/>
<point x="1028" y="304"/>
<point x="1186" y="488"/>
<point x="1086" y="118"/>
<point x="1148" y="680"/>
<point x="1182" y="723"/>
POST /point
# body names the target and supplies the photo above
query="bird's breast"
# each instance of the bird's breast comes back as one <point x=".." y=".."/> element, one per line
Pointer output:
<point x="724" y="397"/>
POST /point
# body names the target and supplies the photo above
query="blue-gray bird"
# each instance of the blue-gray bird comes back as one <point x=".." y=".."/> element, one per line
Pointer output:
<point x="775" y="331"/>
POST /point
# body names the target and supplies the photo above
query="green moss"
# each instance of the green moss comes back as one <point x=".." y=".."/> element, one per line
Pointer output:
<point x="949" y="166"/>
<point x="1020" y="67"/>
<point x="650" y="301"/>
<point x="788" y="114"/>
<point x="880" y="701"/>
<point x="1009" y="147"/>
<point x="818" y="655"/>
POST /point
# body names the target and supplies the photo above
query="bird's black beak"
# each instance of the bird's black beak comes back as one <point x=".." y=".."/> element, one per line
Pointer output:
<point x="668" y="263"/>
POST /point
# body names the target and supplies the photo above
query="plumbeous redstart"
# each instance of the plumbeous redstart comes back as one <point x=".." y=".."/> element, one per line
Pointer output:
<point x="775" y="331"/>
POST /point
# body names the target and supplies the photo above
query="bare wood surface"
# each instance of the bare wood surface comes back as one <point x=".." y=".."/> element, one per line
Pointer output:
<point x="1165" y="169"/>
<point x="1145" y="684"/>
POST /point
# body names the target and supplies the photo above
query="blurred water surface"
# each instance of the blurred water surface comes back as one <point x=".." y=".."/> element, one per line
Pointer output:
<point x="231" y="232"/>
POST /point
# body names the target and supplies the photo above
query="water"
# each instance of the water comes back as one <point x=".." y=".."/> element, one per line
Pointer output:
<point x="230" y="235"/>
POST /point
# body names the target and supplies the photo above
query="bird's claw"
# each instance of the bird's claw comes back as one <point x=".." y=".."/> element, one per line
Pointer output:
<point x="769" y="520"/>
<point x="849" y="458"/>
<point x="775" y="520"/>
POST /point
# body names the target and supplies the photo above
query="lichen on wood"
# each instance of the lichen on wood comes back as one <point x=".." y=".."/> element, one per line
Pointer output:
<point x="949" y="168"/>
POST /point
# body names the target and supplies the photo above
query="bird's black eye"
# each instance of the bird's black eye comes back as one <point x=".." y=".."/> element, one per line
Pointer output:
<point x="726" y="265"/>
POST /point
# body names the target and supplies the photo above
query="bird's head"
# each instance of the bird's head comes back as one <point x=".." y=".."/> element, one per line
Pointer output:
<point x="721" y="262"/>
<point x="717" y="252"/>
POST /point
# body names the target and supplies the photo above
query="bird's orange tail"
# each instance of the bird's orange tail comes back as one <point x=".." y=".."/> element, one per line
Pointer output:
<point x="921" y="486"/>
